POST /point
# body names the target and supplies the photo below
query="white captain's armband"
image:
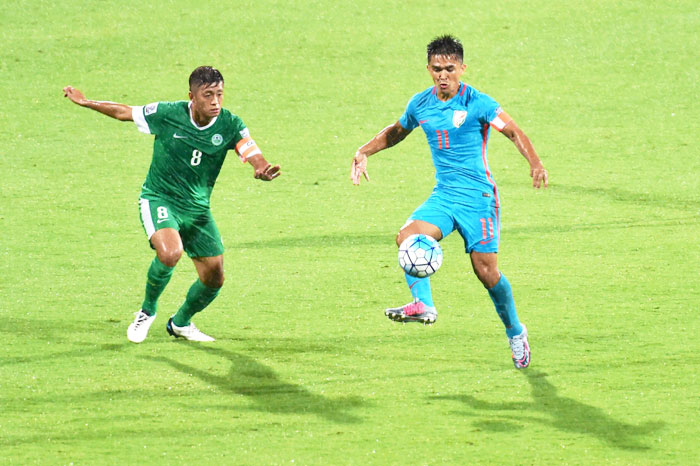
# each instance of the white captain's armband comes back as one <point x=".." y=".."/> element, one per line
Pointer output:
<point x="139" y="113"/>
<point x="246" y="148"/>
<point x="501" y="120"/>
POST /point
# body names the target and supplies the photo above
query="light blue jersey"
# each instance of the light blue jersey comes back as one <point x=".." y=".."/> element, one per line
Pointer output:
<point x="457" y="133"/>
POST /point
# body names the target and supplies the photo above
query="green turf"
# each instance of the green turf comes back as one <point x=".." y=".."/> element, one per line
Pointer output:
<point x="306" y="369"/>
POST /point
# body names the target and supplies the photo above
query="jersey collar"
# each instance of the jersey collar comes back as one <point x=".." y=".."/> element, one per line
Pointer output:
<point x="201" y="128"/>
<point x="460" y="92"/>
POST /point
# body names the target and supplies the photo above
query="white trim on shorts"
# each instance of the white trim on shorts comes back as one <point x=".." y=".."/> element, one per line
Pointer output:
<point x="146" y="217"/>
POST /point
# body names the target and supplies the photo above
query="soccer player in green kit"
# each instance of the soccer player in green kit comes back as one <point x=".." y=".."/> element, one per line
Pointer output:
<point x="191" y="141"/>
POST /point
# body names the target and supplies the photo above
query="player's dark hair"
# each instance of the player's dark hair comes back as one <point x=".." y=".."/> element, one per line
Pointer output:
<point x="447" y="45"/>
<point x="205" y="76"/>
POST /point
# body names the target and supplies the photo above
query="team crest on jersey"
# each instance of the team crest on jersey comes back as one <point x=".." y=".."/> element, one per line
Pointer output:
<point x="217" y="139"/>
<point x="458" y="117"/>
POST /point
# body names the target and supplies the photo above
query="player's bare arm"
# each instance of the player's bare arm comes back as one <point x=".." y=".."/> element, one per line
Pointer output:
<point x="537" y="171"/>
<point x="121" y="112"/>
<point x="388" y="137"/>
<point x="263" y="170"/>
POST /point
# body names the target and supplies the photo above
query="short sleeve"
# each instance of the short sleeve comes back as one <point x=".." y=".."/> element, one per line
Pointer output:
<point x="408" y="119"/>
<point x="491" y="113"/>
<point x="240" y="131"/>
<point x="146" y="118"/>
<point x="487" y="108"/>
<point x="137" y="116"/>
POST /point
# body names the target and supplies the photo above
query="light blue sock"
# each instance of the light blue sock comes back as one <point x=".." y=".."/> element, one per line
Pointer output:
<point x="502" y="297"/>
<point x="420" y="288"/>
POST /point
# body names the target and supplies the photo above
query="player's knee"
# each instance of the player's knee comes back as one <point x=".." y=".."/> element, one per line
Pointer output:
<point x="213" y="278"/>
<point x="486" y="272"/>
<point x="412" y="227"/>
<point x="487" y="275"/>
<point x="403" y="234"/>
<point x="217" y="282"/>
<point x="170" y="257"/>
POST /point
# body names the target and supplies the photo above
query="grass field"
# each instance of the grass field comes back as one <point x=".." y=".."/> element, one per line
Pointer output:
<point x="306" y="369"/>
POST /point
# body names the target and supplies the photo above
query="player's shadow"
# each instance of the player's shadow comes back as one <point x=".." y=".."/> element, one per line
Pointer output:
<point x="72" y="354"/>
<point x="562" y="413"/>
<point x="262" y="385"/>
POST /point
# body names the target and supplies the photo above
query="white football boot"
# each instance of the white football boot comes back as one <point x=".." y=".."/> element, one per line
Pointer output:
<point x="189" y="332"/>
<point x="521" y="349"/>
<point x="138" y="329"/>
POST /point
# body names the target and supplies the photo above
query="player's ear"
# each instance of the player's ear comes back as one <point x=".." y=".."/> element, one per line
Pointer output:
<point x="190" y="94"/>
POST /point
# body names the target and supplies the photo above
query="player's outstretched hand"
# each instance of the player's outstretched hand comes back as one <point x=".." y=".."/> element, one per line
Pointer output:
<point x="359" y="168"/>
<point x="74" y="95"/>
<point x="539" y="176"/>
<point x="267" y="173"/>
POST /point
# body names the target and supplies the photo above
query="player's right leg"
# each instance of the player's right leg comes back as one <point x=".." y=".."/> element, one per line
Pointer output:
<point x="432" y="218"/>
<point x="161" y="225"/>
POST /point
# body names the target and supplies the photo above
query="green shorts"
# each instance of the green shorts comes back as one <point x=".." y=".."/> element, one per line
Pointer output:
<point x="198" y="231"/>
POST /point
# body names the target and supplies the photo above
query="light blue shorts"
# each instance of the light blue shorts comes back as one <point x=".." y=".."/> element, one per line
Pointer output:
<point x="478" y="223"/>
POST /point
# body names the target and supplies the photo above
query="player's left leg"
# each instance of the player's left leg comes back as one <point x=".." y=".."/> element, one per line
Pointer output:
<point x="486" y="268"/>
<point x="480" y="228"/>
<point x="203" y="244"/>
<point x="200" y="295"/>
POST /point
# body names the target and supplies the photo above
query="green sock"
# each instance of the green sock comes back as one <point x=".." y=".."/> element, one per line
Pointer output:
<point x="158" y="277"/>
<point x="198" y="297"/>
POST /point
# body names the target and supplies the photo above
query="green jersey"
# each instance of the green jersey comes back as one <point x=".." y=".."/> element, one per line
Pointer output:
<point x="186" y="158"/>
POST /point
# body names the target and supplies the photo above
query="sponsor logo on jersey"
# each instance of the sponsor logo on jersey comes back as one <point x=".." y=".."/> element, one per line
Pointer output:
<point x="458" y="117"/>
<point x="217" y="139"/>
<point x="150" y="108"/>
<point x="177" y="136"/>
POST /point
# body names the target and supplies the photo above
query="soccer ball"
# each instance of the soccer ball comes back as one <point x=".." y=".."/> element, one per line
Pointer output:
<point x="420" y="255"/>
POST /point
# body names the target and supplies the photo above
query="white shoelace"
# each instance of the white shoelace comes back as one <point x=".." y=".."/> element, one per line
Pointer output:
<point x="516" y="344"/>
<point x="141" y="318"/>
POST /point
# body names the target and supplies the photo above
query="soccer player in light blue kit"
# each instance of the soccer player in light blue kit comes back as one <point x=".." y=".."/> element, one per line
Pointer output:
<point x="457" y="119"/>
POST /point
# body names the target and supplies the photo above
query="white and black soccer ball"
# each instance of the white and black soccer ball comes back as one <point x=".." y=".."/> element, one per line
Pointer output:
<point x="420" y="255"/>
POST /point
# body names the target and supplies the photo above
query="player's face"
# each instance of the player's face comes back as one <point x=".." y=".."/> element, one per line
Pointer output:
<point x="446" y="71"/>
<point x="207" y="101"/>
